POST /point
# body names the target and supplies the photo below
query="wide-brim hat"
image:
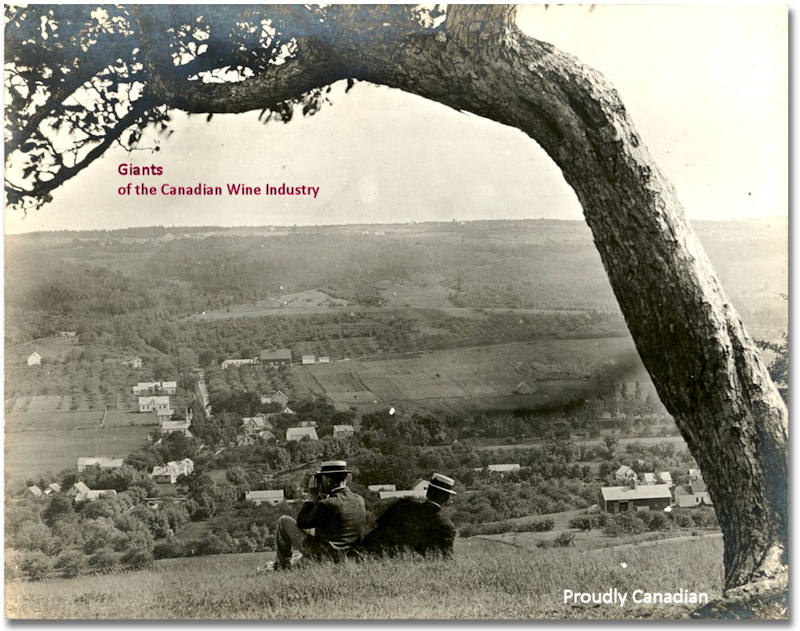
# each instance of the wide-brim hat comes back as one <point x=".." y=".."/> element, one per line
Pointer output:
<point x="442" y="483"/>
<point x="333" y="466"/>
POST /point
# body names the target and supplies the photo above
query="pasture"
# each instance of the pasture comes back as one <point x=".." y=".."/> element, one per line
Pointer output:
<point x="476" y="378"/>
<point x="486" y="580"/>
<point x="37" y="452"/>
<point x="304" y="302"/>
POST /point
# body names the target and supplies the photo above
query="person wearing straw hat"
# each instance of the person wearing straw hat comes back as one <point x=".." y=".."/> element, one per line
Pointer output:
<point x="336" y="513"/>
<point x="416" y="524"/>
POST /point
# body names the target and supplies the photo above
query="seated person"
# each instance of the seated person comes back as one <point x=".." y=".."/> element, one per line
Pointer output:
<point x="335" y="512"/>
<point x="416" y="524"/>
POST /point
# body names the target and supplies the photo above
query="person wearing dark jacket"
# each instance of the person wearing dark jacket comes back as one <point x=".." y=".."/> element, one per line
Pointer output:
<point x="416" y="524"/>
<point x="336" y="514"/>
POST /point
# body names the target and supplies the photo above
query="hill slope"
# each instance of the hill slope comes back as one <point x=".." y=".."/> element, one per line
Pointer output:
<point x="488" y="580"/>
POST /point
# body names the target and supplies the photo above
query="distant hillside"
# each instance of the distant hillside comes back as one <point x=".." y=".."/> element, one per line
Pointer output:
<point x="538" y="264"/>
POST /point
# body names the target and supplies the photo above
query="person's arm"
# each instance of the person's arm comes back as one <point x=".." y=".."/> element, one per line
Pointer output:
<point x="312" y="514"/>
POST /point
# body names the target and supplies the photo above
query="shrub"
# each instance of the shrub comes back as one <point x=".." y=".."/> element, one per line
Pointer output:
<point x="626" y="523"/>
<point x="544" y="525"/>
<point x="564" y="539"/>
<point x="103" y="558"/>
<point x="169" y="549"/>
<point x="71" y="563"/>
<point x="467" y="530"/>
<point x="137" y="556"/>
<point x="581" y="522"/>
<point x="658" y="521"/>
<point x="34" y="565"/>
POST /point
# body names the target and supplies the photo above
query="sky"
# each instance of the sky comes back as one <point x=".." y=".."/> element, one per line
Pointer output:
<point x="706" y="87"/>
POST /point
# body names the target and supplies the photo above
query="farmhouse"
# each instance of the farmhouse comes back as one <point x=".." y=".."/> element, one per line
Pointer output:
<point x="237" y="362"/>
<point x="279" y="398"/>
<point x="92" y="495"/>
<point x="617" y="499"/>
<point x="167" y="427"/>
<point x="265" y="497"/>
<point x="503" y="468"/>
<point x="34" y="359"/>
<point x="278" y="357"/>
<point x="70" y="337"/>
<point x="648" y="478"/>
<point x="524" y="388"/>
<point x="418" y="489"/>
<point x="624" y="473"/>
<point x="152" y="387"/>
<point x="693" y="494"/>
<point x="168" y="473"/>
<point x="299" y="433"/>
<point x="102" y="461"/>
<point x="309" y="359"/>
<point x="35" y="491"/>
<point x="341" y="431"/>
<point x="134" y="362"/>
<point x="251" y="424"/>
<point x="153" y="404"/>
<point x="324" y="359"/>
<point x="377" y="488"/>
<point x="665" y="477"/>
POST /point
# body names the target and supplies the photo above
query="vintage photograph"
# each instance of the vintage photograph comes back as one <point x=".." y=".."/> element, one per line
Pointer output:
<point x="430" y="312"/>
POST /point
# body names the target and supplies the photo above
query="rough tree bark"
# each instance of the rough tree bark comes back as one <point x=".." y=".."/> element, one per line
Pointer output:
<point x="703" y="363"/>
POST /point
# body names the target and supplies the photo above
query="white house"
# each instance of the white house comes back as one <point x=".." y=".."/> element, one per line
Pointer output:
<point x="163" y="387"/>
<point x="251" y="424"/>
<point x="278" y="397"/>
<point x="35" y="491"/>
<point x="665" y="477"/>
<point x="153" y="403"/>
<point x="91" y="495"/>
<point x="341" y="431"/>
<point x="168" y="473"/>
<point x="693" y="494"/>
<point x="418" y="489"/>
<point x="324" y="359"/>
<point x="265" y="497"/>
<point x="377" y="488"/>
<point x="237" y="362"/>
<point x="309" y="359"/>
<point x="103" y="461"/>
<point x="624" y="474"/>
<point x="503" y="468"/>
<point x="134" y="362"/>
<point x="648" y="478"/>
<point x="299" y="433"/>
<point x="34" y="359"/>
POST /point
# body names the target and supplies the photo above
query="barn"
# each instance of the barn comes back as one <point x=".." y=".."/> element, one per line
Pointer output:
<point x="617" y="499"/>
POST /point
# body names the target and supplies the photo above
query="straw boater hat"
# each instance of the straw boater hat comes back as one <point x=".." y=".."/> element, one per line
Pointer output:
<point x="441" y="482"/>
<point x="333" y="466"/>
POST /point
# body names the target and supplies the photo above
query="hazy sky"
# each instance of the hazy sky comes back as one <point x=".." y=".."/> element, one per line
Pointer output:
<point x="706" y="87"/>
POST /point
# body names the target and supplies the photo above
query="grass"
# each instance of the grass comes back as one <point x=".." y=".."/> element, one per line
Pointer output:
<point x="485" y="581"/>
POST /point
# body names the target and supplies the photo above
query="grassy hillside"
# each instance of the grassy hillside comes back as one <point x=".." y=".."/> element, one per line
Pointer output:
<point x="487" y="579"/>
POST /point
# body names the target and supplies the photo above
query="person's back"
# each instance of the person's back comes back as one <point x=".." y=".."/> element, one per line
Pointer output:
<point x="414" y="524"/>
<point x="338" y="519"/>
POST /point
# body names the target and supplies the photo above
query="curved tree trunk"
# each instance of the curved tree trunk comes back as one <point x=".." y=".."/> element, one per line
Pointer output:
<point x="704" y="365"/>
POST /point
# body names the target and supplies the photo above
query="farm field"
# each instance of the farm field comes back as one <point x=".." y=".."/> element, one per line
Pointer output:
<point x="36" y="421"/>
<point x="310" y="301"/>
<point x="484" y="581"/>
<point x="475" y="378"/>
<point x="33" y="453"/>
